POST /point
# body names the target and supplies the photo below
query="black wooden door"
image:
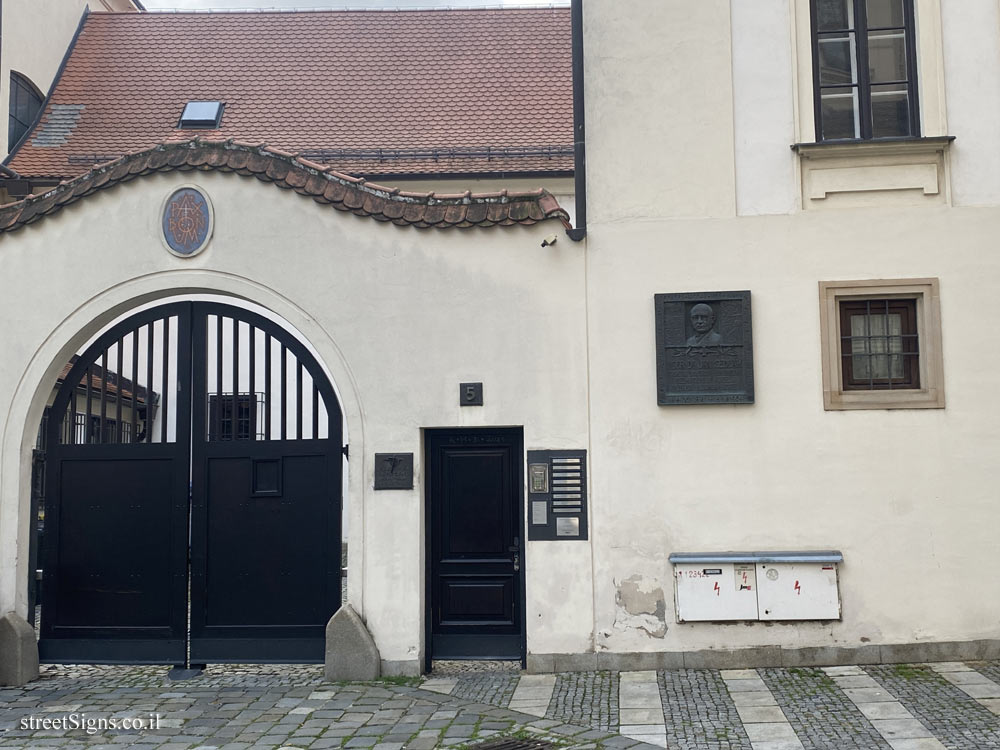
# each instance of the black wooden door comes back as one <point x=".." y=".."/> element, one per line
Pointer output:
<point x="193" y="475"/>
<point x="476" y="556"/>
<point x="114" y="551"/>
<point x="265" y="524"/>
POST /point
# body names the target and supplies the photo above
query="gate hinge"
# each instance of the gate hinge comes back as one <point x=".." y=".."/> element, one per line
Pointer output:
<point x="346" y="451"/>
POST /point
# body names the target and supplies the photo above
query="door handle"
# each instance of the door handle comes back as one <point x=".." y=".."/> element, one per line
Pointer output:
<point x="517" y="562"/>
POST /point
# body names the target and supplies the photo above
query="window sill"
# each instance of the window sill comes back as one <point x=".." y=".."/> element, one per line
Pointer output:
<point x="897" y="171"/>
<point x="930" y="398"/>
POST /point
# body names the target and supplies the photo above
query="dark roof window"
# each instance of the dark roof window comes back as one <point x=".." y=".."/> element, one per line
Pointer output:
<point x="25" y="101"/>
<point x="201" y="115"/>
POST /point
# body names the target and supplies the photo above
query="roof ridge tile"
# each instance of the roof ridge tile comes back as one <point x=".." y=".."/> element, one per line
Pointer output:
<point x="286" y="170"/>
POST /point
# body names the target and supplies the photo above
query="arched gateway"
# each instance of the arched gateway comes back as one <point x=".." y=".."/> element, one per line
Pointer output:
<point x="193" y="494"/>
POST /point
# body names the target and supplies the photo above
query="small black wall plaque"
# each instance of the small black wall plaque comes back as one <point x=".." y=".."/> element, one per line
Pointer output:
<point x="557" y="495"/>
<point x="470" y="394"/>
<point x="394" y="471"/>
<point x="704" y="349"/>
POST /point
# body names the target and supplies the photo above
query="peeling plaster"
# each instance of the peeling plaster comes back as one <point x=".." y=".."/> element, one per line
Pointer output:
<point x="640" y="605"/>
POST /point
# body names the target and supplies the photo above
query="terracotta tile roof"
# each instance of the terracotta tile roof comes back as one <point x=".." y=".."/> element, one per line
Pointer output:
<point x="322" y="184"/>
<point x="367" y="92"/>
<point x="110" y="385"/>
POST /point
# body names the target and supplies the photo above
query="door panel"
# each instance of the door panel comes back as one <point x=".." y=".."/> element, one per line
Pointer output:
<point x="116" y="511"/>
<point x="475" y="576"/>
<point x="266" y="481"/>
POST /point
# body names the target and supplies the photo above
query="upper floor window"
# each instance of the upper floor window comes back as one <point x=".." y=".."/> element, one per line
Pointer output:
<point x="25" y="101"/>
<point x="864" y="69"/>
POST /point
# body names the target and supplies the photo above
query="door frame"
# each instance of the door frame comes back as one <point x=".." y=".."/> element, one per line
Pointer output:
<point x="516" y="433"/>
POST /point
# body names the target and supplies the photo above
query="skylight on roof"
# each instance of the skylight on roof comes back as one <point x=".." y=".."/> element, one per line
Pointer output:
<point x="201" y="115"/>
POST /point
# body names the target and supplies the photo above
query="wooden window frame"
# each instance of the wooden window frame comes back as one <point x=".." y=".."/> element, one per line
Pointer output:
<point x="864" y="84"/>
<point x="927" y="390"/>
<point x="910" y="341"/>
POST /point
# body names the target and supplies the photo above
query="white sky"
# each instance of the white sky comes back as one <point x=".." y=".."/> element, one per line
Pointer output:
<point x="290" y="4"/>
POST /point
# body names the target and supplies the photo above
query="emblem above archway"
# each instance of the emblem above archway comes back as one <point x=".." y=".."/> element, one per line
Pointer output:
<point x="187" y="221"/>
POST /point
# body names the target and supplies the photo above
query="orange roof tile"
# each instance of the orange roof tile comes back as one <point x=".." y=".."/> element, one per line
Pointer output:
<point x="323" y="185"/>
<point x="366" y="92"/>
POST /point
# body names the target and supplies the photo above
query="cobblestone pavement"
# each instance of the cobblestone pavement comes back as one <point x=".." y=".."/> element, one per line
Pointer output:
<point x="953" y="717"/>
<point x="586" y="698"/>
<point x="283" y="707"/>
<point x="819" y="711"/>
<point x="699" y="712"/>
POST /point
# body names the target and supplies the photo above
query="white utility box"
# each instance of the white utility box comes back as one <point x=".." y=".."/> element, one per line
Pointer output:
<point x="798" y="591"/>
<point x="727" y="586"/>
<point x="715" y="591"/>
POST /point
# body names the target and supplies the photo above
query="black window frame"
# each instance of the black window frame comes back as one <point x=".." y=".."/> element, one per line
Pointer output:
<point x="909" y="337"/>
<point x="248" y="425"/>
<point x="864" y="85"/>
<point x="20" y="84"/>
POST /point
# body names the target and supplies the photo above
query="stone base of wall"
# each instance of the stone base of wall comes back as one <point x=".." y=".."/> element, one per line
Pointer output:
<point x="768" y="656"/>
<point x="402" y="668"/>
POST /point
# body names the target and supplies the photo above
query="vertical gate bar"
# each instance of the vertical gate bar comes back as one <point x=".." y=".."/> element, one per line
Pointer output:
<point x="236" y="379"/>
<point x="191" y="365"/>
<point x="135" y="385"/>
<point x="118" y="390"/>
<point x="166" y="378"/>
<point x="315" y="411"/>
<point x="284" y="392"/>
<point x="267" y="386"/>
<point x="218" y="380"/>
<point x="149" y="382"/>
<point x="104" y="390"/>
<point x="90" y="396"/>
<point x="253" y="382"/>
<point x="298" y="400"/>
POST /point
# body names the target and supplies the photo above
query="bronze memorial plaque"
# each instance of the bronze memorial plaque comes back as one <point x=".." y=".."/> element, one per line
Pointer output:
<point x="704" y="349"/>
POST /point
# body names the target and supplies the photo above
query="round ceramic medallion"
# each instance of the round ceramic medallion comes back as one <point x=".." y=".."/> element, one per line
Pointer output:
<point x="187" y="221"/>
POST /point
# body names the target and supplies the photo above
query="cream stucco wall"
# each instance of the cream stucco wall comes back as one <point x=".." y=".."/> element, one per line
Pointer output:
<point x="910" y="497"/>
<point x="400" y="316"/>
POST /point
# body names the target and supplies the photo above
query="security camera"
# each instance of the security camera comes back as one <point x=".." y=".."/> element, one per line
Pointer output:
<point x="550" y="240"/>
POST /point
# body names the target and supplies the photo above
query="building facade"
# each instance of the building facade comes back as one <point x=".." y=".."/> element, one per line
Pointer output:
<point x="811" y="182"/>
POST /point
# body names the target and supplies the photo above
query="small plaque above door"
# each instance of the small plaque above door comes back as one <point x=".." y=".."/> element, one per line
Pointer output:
<point x="393" y="471"/>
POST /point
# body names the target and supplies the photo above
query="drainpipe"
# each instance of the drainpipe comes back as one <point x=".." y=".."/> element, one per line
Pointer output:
<point x="579" y="138"/>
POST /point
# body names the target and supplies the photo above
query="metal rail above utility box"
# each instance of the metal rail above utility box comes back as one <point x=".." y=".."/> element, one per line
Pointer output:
<point x="730" y="586"/>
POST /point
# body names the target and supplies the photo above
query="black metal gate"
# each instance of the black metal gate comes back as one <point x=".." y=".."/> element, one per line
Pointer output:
<point x="193" y="493"/>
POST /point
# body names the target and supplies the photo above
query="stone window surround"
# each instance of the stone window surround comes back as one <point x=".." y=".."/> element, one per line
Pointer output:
<point x="927" y="295"/>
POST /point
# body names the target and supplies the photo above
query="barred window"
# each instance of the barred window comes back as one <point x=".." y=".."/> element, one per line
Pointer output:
<point x="879" y="344"/>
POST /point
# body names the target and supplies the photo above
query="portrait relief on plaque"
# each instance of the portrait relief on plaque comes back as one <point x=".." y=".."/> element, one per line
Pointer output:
<point x="704" y="348"/>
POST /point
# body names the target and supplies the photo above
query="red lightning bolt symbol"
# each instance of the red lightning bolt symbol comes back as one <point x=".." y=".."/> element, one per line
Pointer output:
<point x="716" y="588"/>
<point x="797" y="589"/>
